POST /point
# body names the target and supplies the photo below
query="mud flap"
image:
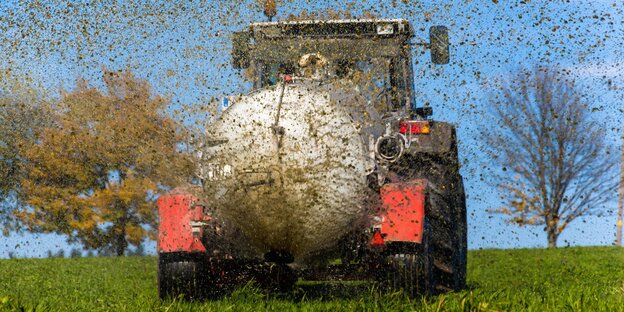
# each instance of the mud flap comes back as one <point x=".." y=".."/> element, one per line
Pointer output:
<point x="402" y="212"/>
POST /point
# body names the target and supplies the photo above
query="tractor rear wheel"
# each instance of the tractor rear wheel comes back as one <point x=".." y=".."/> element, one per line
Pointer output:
<point x="181" y="276"/>
<point x="446" y="211"/>
<point x="408" y="267"/>
<point x="445" y="253"/>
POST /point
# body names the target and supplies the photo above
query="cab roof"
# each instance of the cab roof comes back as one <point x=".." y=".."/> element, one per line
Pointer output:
<point x="334" y="21"/>
<point x="333" y="28"/>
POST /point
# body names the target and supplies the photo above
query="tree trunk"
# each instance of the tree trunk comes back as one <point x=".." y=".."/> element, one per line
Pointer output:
<point x="552" y="235"/>
<point x="121" y="243"/>
<point x="120" y="240"/>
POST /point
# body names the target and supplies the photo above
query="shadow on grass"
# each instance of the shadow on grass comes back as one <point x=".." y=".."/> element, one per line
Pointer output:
<point x="348" y="290"/>
<point x="328" y="291"/>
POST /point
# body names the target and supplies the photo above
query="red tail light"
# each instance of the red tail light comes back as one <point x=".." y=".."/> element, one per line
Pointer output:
<point x="414" y="127"/>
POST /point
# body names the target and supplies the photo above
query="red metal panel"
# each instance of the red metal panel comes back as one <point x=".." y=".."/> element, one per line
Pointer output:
<point x="175" y="233"/>
<point x="403" y="211"/>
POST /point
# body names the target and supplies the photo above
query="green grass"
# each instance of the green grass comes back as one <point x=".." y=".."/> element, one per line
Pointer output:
<point x="569" y="279"/>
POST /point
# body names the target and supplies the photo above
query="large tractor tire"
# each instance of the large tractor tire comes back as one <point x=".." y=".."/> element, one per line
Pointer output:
<point x="185" y="276"/>
<point x="408" y="267"/>
<point x="177" y="278"/>
<point x="446" y="212"/>
<point x="443" y="239"/>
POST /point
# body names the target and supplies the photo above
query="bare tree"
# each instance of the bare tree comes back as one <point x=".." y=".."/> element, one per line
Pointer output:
<point x="555" y="165"/>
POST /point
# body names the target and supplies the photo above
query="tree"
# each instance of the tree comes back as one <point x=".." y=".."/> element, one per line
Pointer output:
<point x="22" y="115"/>
<point x="555" y="165"/>
<point x="94" y="175"/>
<point x="75" y="253"/>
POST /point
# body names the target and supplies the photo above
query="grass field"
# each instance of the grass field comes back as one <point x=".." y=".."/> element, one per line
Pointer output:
<point x="567" y="279"/>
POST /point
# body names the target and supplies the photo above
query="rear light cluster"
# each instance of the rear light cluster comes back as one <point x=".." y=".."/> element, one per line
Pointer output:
<point x="414" y="127"/>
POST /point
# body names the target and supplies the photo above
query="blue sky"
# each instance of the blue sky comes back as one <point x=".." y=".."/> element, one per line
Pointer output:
<point x="183" y="51"/>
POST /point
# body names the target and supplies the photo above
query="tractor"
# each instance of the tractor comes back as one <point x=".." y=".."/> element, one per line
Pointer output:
<point x="328" y="170"/>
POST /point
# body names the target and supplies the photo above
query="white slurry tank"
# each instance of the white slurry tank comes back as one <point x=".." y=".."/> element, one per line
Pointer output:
<point x="288" y="166"/>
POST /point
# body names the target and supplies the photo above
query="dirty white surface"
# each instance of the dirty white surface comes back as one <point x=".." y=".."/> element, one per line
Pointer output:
<point x="299" y="191"/>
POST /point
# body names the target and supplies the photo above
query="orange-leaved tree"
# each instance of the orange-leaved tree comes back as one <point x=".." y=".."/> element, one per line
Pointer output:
<point x="95" y="173"/>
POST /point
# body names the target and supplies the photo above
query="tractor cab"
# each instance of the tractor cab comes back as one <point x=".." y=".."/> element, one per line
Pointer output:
<point x="371" y="56"/>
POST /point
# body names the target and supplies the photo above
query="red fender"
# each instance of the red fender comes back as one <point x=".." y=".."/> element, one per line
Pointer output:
<point x="175" y="232"/>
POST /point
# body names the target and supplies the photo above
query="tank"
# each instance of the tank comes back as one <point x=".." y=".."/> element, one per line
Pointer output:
<point x="288" y="166"/>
